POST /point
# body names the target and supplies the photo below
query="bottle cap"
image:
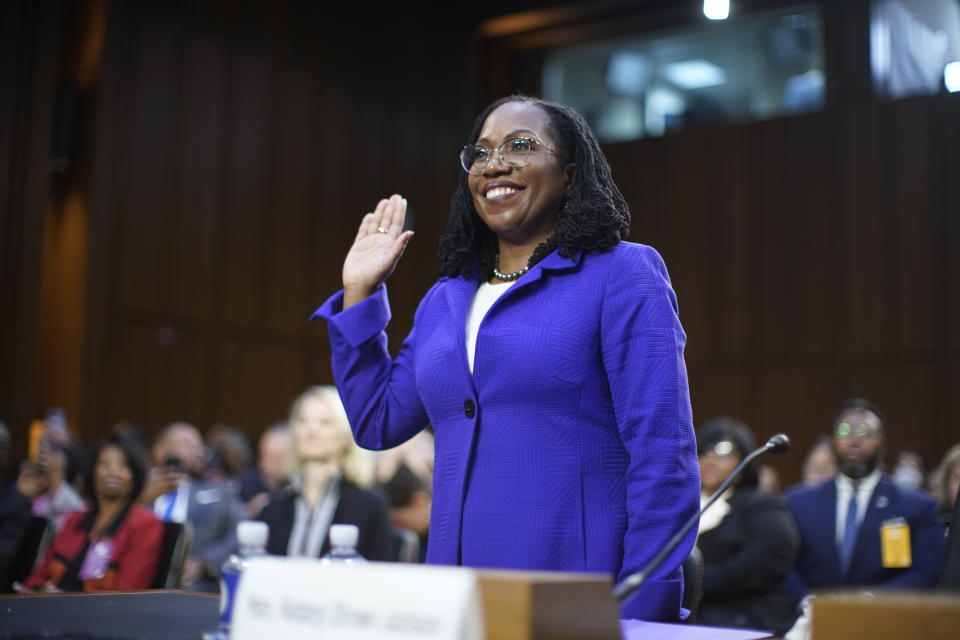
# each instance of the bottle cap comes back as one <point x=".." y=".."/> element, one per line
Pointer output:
<point x="251" y="533"/>
<point x="344" y="535"/>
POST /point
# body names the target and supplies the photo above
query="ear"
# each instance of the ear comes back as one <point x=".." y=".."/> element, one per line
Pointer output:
<point x="571" y="172"/>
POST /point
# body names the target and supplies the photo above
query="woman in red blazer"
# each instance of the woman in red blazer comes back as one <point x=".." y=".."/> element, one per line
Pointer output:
<point x="113" y="546"/>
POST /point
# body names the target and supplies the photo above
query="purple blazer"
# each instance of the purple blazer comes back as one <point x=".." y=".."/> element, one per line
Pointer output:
<point x="570" y="447"/>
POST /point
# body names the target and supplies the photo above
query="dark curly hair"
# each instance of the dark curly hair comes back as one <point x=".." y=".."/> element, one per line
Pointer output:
<point x="593" y="217"/>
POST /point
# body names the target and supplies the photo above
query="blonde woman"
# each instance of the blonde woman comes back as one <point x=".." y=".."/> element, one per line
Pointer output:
<point x="330" y="484"/>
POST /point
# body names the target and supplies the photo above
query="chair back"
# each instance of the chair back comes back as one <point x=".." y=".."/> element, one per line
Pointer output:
<point x="693" y="582"/>
<point x="174" y="550"/>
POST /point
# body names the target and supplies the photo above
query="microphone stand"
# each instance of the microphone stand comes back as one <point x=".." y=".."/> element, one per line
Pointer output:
<point x="625" y="588"/>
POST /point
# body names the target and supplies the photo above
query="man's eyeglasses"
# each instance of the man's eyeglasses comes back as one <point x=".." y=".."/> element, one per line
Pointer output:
<point x="514" y="152"/>
<point x="858" y="430"/>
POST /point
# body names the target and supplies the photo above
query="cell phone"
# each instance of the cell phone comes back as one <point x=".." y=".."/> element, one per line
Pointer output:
<point x="36" y="435"/>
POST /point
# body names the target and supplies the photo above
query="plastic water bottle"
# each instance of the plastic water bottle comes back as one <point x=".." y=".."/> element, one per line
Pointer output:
<point x="252" y="539"/>
<point x="343" y="545"/>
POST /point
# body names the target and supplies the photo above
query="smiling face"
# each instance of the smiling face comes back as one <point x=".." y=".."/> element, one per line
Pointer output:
<point x="519" y="203"/>
<point x="113" y="477"/>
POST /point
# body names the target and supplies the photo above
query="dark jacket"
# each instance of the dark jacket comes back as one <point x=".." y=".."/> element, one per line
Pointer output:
<point x="818" y="565"/>
<point x="746" y="559"/>
<point x="15" y="513"/>
<point x="362" y="507"/>
<point x="950" y="577"/>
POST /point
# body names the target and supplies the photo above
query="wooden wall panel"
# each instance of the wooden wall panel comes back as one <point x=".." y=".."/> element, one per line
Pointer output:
<point x="152" y="375"/>
<point x="144" y="222"/>
<point x="819" y="244"/>
<point x="194" y="249"/>
<point x="249" y="154"/>
<point x="257" y="383"/>
<point x="861" y="208"/>
<point x="236" y="230"/>
<point x="945" y="206"/>
<point x="769" y="186"/>
<point x="30" y="49"/>
<point x="293" y="204"/>
<point x="909" y="188"/>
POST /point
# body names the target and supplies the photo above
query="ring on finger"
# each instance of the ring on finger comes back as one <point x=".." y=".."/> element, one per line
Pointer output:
<point x="382" y="230"/>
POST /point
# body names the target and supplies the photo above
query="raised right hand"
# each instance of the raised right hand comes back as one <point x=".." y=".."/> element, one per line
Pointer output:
<point x="376" y="250"/>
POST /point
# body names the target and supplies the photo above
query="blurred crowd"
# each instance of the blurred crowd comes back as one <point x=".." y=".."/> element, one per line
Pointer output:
<point x="135" y="512"/>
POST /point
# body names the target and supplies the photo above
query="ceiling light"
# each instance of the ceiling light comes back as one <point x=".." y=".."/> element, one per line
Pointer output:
<point x="951" y="76"/>
<point x="694" y="74"/>
<point x="716" y="9"/>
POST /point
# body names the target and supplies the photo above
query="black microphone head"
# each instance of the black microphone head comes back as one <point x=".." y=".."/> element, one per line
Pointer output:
<point x="778" y="443"/>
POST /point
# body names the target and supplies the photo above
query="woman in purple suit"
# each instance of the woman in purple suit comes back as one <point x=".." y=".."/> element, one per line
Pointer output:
<point x="548" y="358"/>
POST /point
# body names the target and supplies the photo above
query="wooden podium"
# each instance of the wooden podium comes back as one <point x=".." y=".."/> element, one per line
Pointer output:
<point x="532" y="605"/>
<point x="885" y="615"/>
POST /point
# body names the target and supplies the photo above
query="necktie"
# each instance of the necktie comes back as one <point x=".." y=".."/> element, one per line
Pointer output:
<point x="849" y="534"/>
<point x="171" y="503"/>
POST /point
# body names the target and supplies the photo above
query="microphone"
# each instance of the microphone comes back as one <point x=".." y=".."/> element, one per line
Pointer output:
<point x="625" y="588"/>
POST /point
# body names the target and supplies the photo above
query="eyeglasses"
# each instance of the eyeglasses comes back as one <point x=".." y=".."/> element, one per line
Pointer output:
<point x="514" y="152"/>
<point x="859" y="430"/>
<point x="723" y="448"/>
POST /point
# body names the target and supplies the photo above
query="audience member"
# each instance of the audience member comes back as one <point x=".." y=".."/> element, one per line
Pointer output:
<point x="329" y="484"/>
<point x="15" y="504"/>
<point x="405" y="474"/>
<point x="115" y="544"/>
<point x="769" y="479"/>
<point x="271" y="471"/>
<point x="61" y="499"/>
<point x="178" y="492"/>
<point x="819" y="461"/>
<point x="947" y="484"/>
<point x="56" y="429"/>
<point x="748" y="538"/>
<point x="950" y="577"/>
<point x="911" y="469"/>
<point x="229" y="455"/>
<point x="852" y="527"/>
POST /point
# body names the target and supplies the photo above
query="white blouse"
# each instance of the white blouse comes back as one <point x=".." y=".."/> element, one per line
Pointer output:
<point x="486" y="295"/>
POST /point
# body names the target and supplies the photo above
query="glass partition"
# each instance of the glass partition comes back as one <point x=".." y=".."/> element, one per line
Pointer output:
<point x="744" y="68"/>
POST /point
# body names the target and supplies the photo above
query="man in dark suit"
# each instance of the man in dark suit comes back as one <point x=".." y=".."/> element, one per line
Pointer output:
<point x="860" y="528"/>
<point x="178" y="492"/>
<point x="950" y="577"/>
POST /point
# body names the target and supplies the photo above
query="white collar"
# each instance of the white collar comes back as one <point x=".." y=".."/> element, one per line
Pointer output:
<point x="866" y="485"/>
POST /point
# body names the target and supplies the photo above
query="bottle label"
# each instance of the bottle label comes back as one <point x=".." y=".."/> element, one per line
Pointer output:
<point x="228" y="591"/>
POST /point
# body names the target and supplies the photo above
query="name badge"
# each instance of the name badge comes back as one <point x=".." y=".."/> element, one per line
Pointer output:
<point x="895" y="544"/>
<point x="97" y="560"/>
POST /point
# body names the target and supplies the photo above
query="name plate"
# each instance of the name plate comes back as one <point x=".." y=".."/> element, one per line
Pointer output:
<point x="298" y="598"/>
